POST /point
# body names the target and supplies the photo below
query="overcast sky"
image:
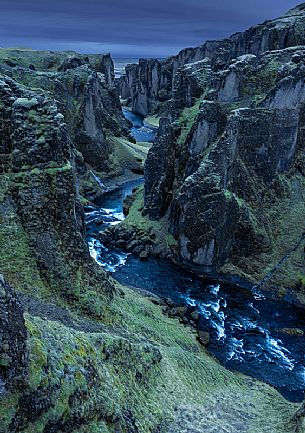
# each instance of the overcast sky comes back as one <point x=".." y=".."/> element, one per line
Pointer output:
<point x="128" y="28"/>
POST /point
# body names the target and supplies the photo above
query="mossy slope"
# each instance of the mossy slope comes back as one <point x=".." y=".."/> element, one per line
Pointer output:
<point x="145" y="374"/>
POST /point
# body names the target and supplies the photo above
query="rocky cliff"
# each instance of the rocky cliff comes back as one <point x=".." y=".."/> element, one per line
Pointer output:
<point x="150" y="83"/>
<point x="225" y="175"/>
<point x="84" y="88"/>
<point x="40" y="199"/>
<point x="78" y="353"/>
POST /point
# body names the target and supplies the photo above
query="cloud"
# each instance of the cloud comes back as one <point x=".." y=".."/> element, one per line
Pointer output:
<point x="129" y="27"/>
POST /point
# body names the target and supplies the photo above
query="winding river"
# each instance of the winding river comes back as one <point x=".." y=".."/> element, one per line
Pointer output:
<point x="140" y="130"/>
<point x="246" y="329"/>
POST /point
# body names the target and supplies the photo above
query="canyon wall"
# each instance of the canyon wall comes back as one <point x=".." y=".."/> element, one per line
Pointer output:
<point x="148" y="84"/>
<point x="39" y="194"/>
<point x="84" y="87"/>
<point x="78" y="352"/>
<point x="225" y="174"/>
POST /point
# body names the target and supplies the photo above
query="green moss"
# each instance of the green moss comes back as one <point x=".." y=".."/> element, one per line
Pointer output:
<point x="258" y="83"/>
<point x="152" y="120"/>
<point x="84" y="201"/>
<point x="158" y="229"/>
<point x="95" y="426"/>
<point x="288" y="211"/>
<point x="125" y="155"/>
<point x="38" y="360"/>
<point x="17" y="262"/>
<point x="147" y="366"/>
<point x="52" y="168"/>
<point x="186" y="120"/>
<point x="302" y="280"/>
<point x="8" y="409"/>
<point x="42" y="60"/>
<point x="230" y="195"/>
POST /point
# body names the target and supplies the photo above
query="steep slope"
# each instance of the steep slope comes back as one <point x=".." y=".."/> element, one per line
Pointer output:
<point x="225" y="175"/>
<point x="151" y="82"/>
<point x="41" y="217"/>
<point x="78" y="353"/>
<point x="84" y="87"/>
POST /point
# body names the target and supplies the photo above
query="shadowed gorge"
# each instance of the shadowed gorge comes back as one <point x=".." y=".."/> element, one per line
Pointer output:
<point x="152" y="238"/>
<point x="229" y="154"/>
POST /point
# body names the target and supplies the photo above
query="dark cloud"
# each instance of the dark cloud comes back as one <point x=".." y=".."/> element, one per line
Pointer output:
<point x="129" y="27"/>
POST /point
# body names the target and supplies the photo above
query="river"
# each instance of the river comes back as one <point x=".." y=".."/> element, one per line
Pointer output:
<point x="246" y="329"/>
<point x="140" y="130"/>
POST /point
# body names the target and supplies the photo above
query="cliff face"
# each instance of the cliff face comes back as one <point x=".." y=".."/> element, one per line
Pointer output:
<point x="151" y="82"/>
<point x="227" y="171"/>
<point x="84" y="87"/>
<point x="39" y="197"/>
<point x="78" y="354"/>
<point x="13" y="356"/>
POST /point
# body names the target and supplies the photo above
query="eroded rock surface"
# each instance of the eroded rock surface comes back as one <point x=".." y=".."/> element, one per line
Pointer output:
<point x="13" y="335"/>
<point x="151" y="82"/>
<point x="84" y="87"/>
<point x="227" y="170"/>
<point x="39" y="191"/>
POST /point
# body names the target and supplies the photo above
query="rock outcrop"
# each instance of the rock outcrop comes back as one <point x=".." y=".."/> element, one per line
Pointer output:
<point x="84" y="87"/>
<point x="151" y="82"/>
<point x="13" y="335"/>
<point x="226" y="172"/>
<point x="39" y="193"/>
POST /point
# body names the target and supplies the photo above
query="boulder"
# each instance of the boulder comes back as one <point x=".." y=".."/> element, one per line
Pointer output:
<point x="292" y="331"/>
<point x="144" y="255"/>
<point x="203" y="338"/>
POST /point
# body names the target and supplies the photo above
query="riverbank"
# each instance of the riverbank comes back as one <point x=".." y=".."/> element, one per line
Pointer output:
<point x="243" y="335"/>
<point x="81" y="352"/>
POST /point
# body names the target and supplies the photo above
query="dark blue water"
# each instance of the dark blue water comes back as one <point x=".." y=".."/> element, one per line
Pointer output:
<point x="140" y="130"/>
<point x="121" y="63"/>
<point x="245" y="328"/>
<point x="108" y="211"/>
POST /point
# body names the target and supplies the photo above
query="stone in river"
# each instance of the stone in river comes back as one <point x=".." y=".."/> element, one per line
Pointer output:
<point x="292" y="331"/>
<point x="203" y="338"/>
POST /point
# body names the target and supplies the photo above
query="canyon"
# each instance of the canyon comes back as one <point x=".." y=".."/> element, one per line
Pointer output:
<point x="82" y="350"/>
<point x="226" y="171"/>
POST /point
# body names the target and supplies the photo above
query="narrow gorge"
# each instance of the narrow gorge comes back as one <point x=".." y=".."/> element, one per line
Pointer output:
<point x="152" y="238"/>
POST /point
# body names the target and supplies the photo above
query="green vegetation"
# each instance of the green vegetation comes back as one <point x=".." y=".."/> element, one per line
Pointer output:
<point x="42" y="60"/>
<point x="17" y="261"/>
<point x="149" y="367"/>
<point x="187" y="119"/>
<point x="158" y="230"/>
<point x="152" y="120"/>
<point x="302" y="280"/>
<point x="230" y="195"/>
<point x="258" y="82"/>
<point x="126" y="155"/>
<point x="68" y="281"/>
<point x="288" y="211"/>
<point x="51" y="169"/>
